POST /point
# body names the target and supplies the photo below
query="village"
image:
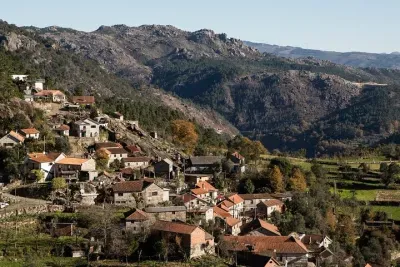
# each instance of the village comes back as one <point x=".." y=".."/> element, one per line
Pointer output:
<point x="166" y="194"/>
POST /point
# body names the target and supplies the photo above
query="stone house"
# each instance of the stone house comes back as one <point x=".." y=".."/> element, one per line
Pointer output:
<point x="286" y="249"/>
<point x="204" y="164"/>
<point x="267" y="207"/>
<point x="76" y="168"/>
<point x="30" y="133"/>
<point x="86" y="128"/>
<point x="260" y="227"/>
<point x="11" y="139"/>
<point x="201" y="214"/>
<point x="234" y="204"/>
<point x="118" y="116"/>
<point x="62" y="130"/>
<point x="55" y="96"/>
<point x="252" y="200"/>
<point x="171" y="213"/>
<point x="164" y="166"/>
<point x="45" y="162"/>
<point x="115" y="153"/>
<point x="238" y="162"/>
<point x="205" y="191"/>
<point x="136" y="162"/>
<point x="143" y="191"/>
<point x="83" y="100"/>
<point x="137" y="222"/>
<point x="194" y="241"/>
<point x="191" y="179"/>
<point x="192" y="202"/>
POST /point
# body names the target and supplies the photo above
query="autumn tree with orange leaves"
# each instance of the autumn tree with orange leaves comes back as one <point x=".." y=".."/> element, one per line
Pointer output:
<point x="184" y="133"/>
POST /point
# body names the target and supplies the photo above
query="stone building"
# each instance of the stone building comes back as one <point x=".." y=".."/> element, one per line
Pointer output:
<point x="171" y="213"/>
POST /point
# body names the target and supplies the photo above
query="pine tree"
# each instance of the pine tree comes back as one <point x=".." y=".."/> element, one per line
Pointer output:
<point x="276" y="178"/>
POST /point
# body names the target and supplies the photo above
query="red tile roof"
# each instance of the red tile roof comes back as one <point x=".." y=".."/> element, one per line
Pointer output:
<point x="132" y="186"/>
<point x="133" y="148"/>
<point x="40" y="157"/>
<point x="72" y="161"/>
<point x="49" y="92"/>
<point x="188" y="197"/>
<point x="221" y="213"/>
<point x="29" y="131"/>
<point x="273" y="202"/>
<point x="107" y="145"/>
<point x="232" y="221"/>
<point x="63" y="127"/>
<point x="269" y="226"/>
<point x="174" y="227"/>
<point x="235" y="198"/>
<point x="198" y="191"/>
<point x="83" y="99"/>
<point x="205" y="185"/>
<point x="137" y="215"/>
<point x="266" y="244"/>
<point x="237" y="155"/>
<point x="17" y="136"/>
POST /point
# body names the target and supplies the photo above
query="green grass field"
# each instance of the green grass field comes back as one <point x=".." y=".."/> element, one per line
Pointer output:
<point x="392" y="211"/>
<point x="362" y="195"/>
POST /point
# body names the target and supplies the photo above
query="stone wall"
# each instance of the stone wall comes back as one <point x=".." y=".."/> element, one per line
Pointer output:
<point x="31" y="210"/>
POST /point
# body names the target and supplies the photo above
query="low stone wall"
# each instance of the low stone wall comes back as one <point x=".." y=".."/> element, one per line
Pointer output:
<point x="31" y="210"/>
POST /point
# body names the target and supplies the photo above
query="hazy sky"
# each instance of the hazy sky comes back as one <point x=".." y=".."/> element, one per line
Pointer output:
<point x="340" y="25"/>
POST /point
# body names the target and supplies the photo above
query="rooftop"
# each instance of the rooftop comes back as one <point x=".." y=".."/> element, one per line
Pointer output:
<point x="63" y="127"/>
<point x="137" y="215"/>
<point x="72" y="161"/>
<point x="117" y="150"/>
<point x="205" y="160"/>
<point x="29" y="131"/>
<point x="165" y="209"/>
<point x="273" y="202"/>
<point x="205" y="185"/>
<point x="107" y="145"/>
<point x="83" y="99"/>
<point x="266" y="244"/>
<point x="232" y="221"/>
<point x="17" y="136"/>
<point x="132" y="186"/>
<point x="258" y="223"/>
<point x="174" y="227"/>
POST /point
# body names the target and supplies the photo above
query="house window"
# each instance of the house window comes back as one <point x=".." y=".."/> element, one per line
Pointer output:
<point x="93" y="126"/>
<point x="120" y="194"/>
<point x="173" y="212"/>
<point x="134" y="228"/>
<point x="120" y="155"/>
<point x="251" y="201"/>
<point x="154" y="193"/>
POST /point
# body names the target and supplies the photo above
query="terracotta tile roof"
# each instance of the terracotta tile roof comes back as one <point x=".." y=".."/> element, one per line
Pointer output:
<point x="368" y="265"/>
<point x="189" y="197"/>
<point x="133" y="148"/>
<point x="63" y="127"/>
<point x="221" y="213"/>
<point x="269" y="226"/>
<point x="198" y="191"/>
<point x="258" y="223"/>
<point x="273" y="202"/>
<point x="174" y="227"/>
<point x="205" y="185"/>
<point x="29" y="131"/>
<point x="232" y="221"/>
<point x="40" y="157"/>
<point x="127" y="171"/>
<point x="72" y="161"/>
<point x="117" y="150"/>
<point x="266" y="244"/>
<point x="132" y="186"/>
<point x="235" y="198"/>
<point x="83" y="99"/>
<point x="107" y="145"/>
<point x="136" y="159"/>
<point x="255" y="196"/>
<point x="137" y="215"/>
<point x="17" y="136"/>
<point x="226" y="204"/>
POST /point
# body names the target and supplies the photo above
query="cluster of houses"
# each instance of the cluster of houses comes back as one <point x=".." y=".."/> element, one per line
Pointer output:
<point x="161" y="207"/>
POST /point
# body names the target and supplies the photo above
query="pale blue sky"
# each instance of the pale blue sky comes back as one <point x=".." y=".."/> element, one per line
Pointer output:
<point x="340" y="25"/>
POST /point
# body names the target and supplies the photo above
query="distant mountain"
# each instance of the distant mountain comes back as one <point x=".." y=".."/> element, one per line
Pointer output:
<point x="288" y="103"/>
<point x="354" y="59"/>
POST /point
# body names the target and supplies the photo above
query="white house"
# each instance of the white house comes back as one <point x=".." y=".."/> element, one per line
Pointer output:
<point x="116" y="153"/>
<point x="55" y="96"/>
<point x="86" y="128"/>
<point x="19" y="77"/>
<point x="136" y="162"/>
<point x="233" y="204"/>
<point x="30" y="133"/>
<point x="11" y="139"/>
<point x="43" y="162"/>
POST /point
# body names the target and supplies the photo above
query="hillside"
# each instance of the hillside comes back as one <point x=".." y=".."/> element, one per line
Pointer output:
<point x="23" y="51"/>
<point x="354" y="59"/>
<point x="282" y="101"/>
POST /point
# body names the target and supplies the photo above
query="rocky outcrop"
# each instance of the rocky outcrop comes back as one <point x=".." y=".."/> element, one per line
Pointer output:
<point x="12" y="42"/>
